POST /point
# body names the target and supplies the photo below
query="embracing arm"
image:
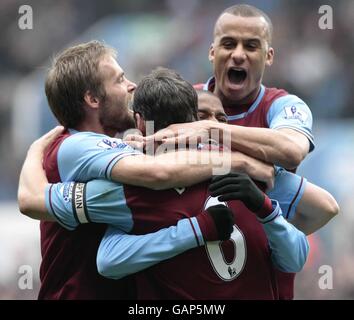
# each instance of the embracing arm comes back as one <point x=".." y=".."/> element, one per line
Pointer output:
<point x="285" y="142"/>
<point x="33" y="181"/>
<point x="120" y="254"/>
<point x="315" y="209"/>
<point x="98" y="159"/>
<point x="282" y="147"/>
<point x="185" y="168"/>
<point x="305" y="205"/>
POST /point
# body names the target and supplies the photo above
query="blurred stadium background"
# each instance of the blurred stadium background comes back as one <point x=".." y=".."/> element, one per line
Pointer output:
<point x="315" y="64"/>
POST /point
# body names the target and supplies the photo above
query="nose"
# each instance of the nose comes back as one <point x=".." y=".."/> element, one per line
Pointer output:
<point x="131" y="86"/>
<point x="239" y="54"/>
<point x="212" y="117"/>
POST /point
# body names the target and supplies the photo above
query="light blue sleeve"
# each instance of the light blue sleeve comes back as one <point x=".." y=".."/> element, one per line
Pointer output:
<point x="288" y="191"/>
<point x="85" y="156"/>
<point x="291" y="112"/>
<point x="103" y="201"/>
<point x="120" y="254"/>
<point x="98" y="201"/>
<point x="289" y="245"/>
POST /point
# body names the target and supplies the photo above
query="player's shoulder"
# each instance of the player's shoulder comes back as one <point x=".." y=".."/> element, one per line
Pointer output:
<point x="87" y="139"/>
<point x="274" y="93"/>
<point x="281" y="96"/>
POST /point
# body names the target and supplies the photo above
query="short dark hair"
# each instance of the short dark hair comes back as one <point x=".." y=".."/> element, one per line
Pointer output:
<point x="245" y="10"/>
<point x="73" y="72"/>
<point x="165" y="97"/>
<point x="200" y="92"/>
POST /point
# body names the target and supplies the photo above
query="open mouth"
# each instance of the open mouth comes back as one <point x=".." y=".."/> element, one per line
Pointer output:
<point x="237" y="75"/>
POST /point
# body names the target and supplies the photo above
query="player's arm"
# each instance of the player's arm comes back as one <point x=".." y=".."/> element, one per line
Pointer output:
<point x="288" y="139"/>
<point x="185" y="168"/>
<point x="120" y="255"/>
<point x="31" y="194"/>
<point x="71" y="204"/>
<point x="307" y="206"/>
<point x="289" y="245"/>
<point x="286" y="142"/>
<point x="98" y="156"/>
<point x="315" y="209"/>
<point x="282" y="147"/>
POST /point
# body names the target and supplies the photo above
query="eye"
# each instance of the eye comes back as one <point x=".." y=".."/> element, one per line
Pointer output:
<point x="202" y="116"/>
<point x="228" y="44"/>
<point x="120" y="79"/>
<point x="252" y="45"/>
<point x="222" y="119"/>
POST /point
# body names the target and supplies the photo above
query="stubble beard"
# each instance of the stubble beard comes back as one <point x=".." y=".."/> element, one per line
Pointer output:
<point x="115" y="118"/>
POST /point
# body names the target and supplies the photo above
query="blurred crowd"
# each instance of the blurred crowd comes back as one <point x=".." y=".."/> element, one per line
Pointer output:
<point x="317" y="65"/>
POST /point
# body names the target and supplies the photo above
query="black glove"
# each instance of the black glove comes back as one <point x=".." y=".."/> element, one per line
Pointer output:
<point x="238" y="186"/>
<point x="216" y="223"/>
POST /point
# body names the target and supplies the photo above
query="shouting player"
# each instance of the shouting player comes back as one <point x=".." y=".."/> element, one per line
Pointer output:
<point x="266" y="123"/>
<point x="140" y="210"/>
<point x="88" y="93"/>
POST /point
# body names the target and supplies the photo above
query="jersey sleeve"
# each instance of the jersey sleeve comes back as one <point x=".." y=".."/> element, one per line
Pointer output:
<point x="97" y="201"/>
<point x="288" y="191"/>
<point x="120" y="254"/>
<point x="291" y="112"/>
<point x="85" y="156"/>
<point x="289" y="246"/>
<point x="101" y="201"/>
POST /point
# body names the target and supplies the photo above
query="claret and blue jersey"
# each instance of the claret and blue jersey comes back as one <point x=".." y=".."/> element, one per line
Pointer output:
<point x="141" y="211"/>
<point x="273" y="108"/>
<point x="72" y="254"/>
<point x="85" y="156"/>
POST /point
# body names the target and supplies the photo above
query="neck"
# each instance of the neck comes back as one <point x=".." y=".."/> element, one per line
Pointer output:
<point x="243" y="103"/>
<point x="96" y="127"/>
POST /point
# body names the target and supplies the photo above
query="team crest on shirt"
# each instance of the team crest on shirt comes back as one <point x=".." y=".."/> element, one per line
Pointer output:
<point x="107" y="143"/>
<point x="294" y="113"/>
<point x="66" y="191"/>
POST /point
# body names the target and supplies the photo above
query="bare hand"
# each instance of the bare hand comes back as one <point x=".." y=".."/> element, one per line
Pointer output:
<point x="136" y="141"/>
<point x="258" y="170"/>
<point x="44" y="141"/>
<point x="188" y="133"/>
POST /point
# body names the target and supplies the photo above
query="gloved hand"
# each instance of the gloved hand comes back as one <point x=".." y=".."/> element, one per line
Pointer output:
<point x="239" y="186"/>
<point x="216" y="223"/>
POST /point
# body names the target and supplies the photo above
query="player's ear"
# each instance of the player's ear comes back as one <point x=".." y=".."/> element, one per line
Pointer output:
<point x="270" y="57"/>
<point x="211" y="53"/>
<point x="91" y="100"/>
<point x="140" y="122"/>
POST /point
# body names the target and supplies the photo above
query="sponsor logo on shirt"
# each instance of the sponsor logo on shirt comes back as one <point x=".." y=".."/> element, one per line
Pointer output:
<point x="66" y="191"/>
<point x="294" y="113"/>
<point x="107" y="143"/>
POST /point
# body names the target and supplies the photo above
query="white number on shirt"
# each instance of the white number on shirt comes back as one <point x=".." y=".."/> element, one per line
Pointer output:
<point x="227" y="271"/>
